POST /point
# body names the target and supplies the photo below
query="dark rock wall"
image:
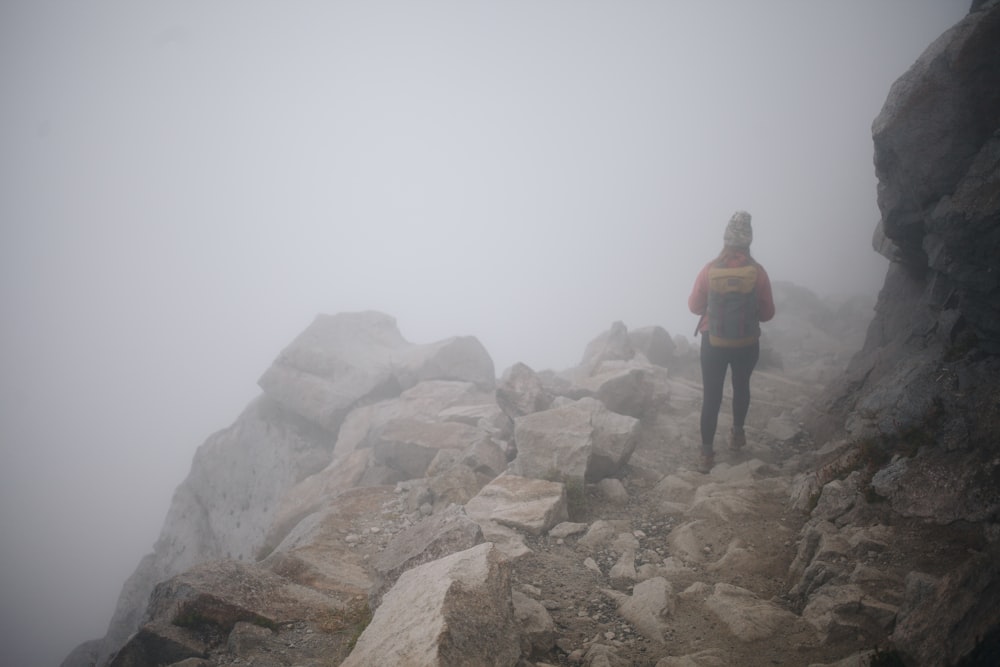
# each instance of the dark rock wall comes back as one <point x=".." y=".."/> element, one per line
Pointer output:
<point x="929" y="358"/>
<point x="937" y="151"/>
<point x="922" y="398"/>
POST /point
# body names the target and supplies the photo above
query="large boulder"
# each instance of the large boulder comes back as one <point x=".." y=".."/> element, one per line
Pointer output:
<point x="521" y="392"/>
<point x="340" y="360"/>
<point x="579" y="442"/>
<point x="316" y="554"/>
<point x="924" y="385"/>
<point x="453" y="611"/>
<point x="635" y="388"/>
<point x="943" y="621"/>
<point x="931" y="137"/>
<point x="611" y="345"/>
<point x="334" y="363"/>
<point x="224" y="508"/>
<point x="243" y="611"/>
<point x="654" y="343"/>
<point x="529" y="505"/>
<point x="437" y="536"/>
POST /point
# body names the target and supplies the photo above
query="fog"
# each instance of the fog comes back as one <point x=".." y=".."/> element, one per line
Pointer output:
<point x="186" y="185"/>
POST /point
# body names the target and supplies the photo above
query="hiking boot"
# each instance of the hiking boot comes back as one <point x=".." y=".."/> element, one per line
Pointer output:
<point x="707" y="463"/>
<point x="737" y="439"/>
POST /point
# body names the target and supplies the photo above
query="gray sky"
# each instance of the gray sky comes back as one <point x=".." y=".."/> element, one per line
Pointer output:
<point x="185" y="185"/>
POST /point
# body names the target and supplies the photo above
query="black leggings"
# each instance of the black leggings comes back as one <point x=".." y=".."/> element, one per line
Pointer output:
<point x="714" y="362"/>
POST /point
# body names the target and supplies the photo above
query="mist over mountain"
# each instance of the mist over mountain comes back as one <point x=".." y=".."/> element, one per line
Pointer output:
<point x="185" y="188"/>
<point x="555" y="517"/>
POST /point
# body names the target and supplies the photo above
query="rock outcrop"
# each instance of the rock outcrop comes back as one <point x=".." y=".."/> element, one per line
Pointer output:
<point x="921" y="401"/>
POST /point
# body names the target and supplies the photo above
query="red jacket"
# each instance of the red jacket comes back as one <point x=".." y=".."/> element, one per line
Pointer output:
<point x="698" y="301"/>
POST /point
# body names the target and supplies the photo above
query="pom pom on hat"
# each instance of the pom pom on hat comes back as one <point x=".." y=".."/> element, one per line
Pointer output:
<point x="739" y="233"/>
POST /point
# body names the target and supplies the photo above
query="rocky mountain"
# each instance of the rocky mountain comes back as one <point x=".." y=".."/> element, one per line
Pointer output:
<point x="383" y="502"/>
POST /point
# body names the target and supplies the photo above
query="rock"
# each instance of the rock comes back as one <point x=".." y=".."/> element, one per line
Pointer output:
<point x="935" y="119"/>
<point x="333" y="364"/>
<point x="579" y="442"/>
<point x="748" y="617"/>
<point x="804" y="492"/>
<point x="837" y="497"/>
<point x="724" y="501"/>
<point x="460" y="358"/>
<point x="439" y="535"/>
<point x="708" y="658"/>
<point x="649" y="608"/>
<point x="455" y="485"/>
<point x="623" y="573"/>
<point x="198" y="611"/>
<point x="862" y="658"/>
<point x="622" y="388"/>
<point x="739" y="559"/>
<point x="943" y="621"/>
<point x="615" y="437"/>
<point x="484" y="457"/>
<point x="312" y="493"/>
<point x="555" y="443"/>
<point x="613" y="345"/>
<point x="410" y="446"/>
<point x="602" y="655"/>
<point x="654" y="343"/>
<point x="406" y="433"/>
<point x="520" y="392"/>
<point x="613" y="491"/>
<point x="159" y="643"/>
<point x="315" y="553"/>
<point x="246" y="639"/>
<point x="783" y="429"/>
<point x="940" y="485"/>
<point x="340" y="360"/>
<point x="530" y="505"/>
<point x="689" y="540"/>
<point x="675" y="489"/>
<point x="455" y="610"/>
<point x="566" y="529"/>
<point x="538" y="631"/>
<point x="224" y="507"/>
<point x="847" y="612"/>
<point x="601" y="532"/>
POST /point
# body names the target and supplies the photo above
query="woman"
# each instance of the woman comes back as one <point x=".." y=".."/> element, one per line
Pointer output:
<point x="732" y="294"/>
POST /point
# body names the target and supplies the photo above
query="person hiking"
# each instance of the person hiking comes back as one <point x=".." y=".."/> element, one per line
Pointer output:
<point x="732" y="294"/>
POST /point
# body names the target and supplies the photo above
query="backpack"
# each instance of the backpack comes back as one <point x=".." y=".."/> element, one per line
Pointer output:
<point x="732" y="306"/>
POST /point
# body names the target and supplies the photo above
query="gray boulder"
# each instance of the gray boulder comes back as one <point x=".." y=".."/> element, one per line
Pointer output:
<point x="944" y="621"/>
<point x="452" y="611"/>
<point x="341" y="359"/>
<point x="529" y="505"/>
<point x="521" y="392"/>
<point x="435" y="537"/>
<point x="582" y="441"/>
<point x="654" y="343"/>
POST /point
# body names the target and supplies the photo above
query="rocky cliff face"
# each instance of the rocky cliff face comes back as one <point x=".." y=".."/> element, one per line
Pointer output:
<point x="922" y="399"/>
<point x="925" y="384"/>
<point x="389" y="503"/>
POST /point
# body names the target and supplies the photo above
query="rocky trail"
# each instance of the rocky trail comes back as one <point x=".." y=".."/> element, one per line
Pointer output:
<point x="723" y="541"/>
<point x="725" y="544"/>
<point x="538" y="522"/>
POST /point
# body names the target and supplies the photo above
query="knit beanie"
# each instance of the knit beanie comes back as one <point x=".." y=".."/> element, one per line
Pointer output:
<point x="739" y="233"/>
